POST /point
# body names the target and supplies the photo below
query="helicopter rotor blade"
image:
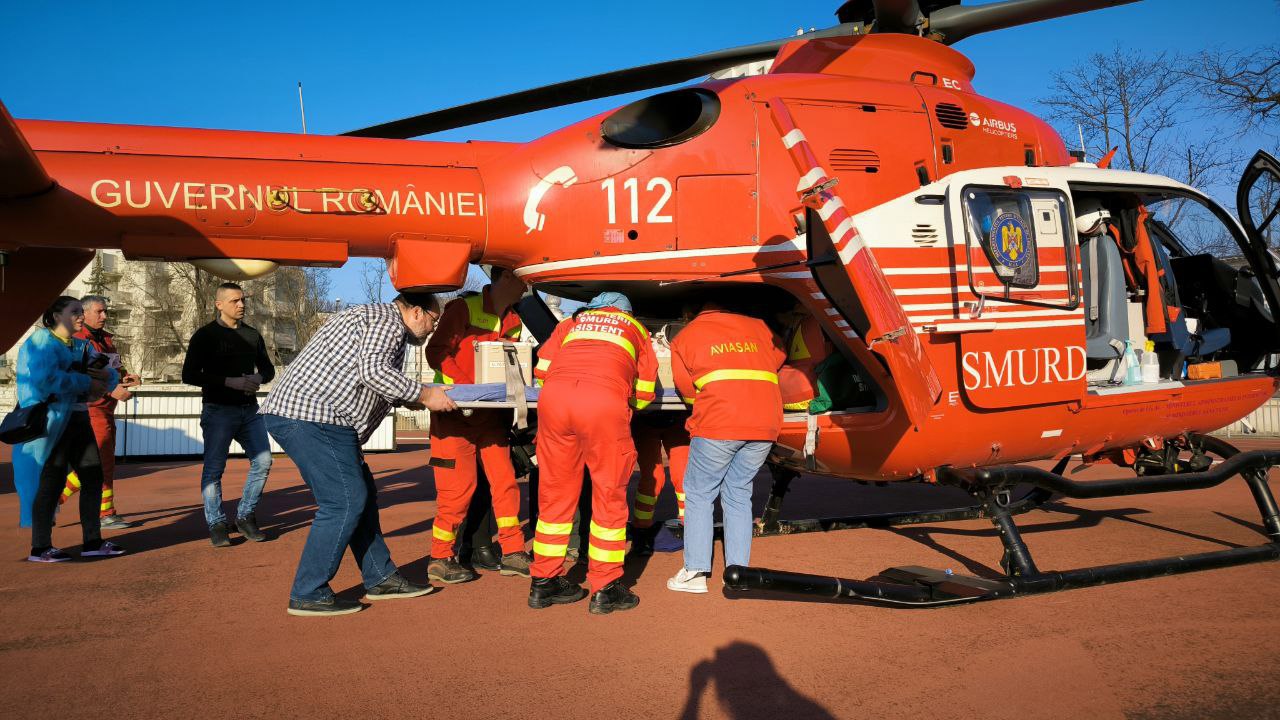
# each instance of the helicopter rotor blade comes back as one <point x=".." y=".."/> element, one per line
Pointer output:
<point x="957" y="22"/>
<point x="592" y="87"/>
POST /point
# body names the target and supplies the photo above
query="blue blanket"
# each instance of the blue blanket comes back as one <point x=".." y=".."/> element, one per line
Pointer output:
<point x="497" y="392"/>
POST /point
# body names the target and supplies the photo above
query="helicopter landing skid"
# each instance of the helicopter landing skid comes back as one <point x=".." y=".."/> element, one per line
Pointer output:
<point x="768" y="525"/>
<point x="925" y="587"/>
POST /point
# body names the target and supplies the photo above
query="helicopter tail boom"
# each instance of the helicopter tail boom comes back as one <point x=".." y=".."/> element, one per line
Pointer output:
<point x="196" y="195"/>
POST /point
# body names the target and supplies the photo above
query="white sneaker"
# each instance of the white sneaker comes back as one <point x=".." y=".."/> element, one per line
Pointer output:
<point x="688" y="581"/>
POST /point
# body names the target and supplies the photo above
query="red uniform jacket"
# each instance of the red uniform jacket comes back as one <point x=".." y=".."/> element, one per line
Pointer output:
<point x="606" y="345"/>
<point x="465" y="322"/>
<point x="104" y="344"/>
<point x="727" y="364"/>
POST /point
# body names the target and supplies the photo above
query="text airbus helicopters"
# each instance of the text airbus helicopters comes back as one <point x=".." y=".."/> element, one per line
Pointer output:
<point x="981" y="285"/>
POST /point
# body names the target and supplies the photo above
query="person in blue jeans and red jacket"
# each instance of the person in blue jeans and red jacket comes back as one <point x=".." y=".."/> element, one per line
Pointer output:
<point x="726" y="364"/>
<point x="228" y="360"/>
<point x="326" y="406"/>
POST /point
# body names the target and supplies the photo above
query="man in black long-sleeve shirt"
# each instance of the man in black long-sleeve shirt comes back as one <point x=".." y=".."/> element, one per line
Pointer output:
<point x="228" y="360"/>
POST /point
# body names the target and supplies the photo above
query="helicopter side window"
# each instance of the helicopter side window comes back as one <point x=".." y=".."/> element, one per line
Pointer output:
<point x="1021" y="248"/>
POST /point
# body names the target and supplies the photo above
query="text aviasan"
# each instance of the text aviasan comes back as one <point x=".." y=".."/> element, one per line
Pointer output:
<point x="144" y="194"/>
<point x="734" y="347"/>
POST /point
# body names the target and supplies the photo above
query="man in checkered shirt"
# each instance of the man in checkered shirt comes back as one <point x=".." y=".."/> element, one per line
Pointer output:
<point x="325" y="406"/>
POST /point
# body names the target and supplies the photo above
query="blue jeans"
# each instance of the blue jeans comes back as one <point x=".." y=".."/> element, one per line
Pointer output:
<point x="328" y="456"/>
<point x="221" y="424"/>
<point x="724" y="469"/>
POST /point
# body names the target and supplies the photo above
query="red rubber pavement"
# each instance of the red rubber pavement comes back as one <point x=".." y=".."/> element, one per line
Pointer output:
<point x="179" y="629"/>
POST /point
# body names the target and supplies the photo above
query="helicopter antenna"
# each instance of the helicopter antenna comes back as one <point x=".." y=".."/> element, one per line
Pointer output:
<point x="302" y="108"/>
<point x="1084" y="152"/>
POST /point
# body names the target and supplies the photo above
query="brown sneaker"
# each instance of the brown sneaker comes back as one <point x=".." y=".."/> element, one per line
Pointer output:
<point x="449" y="571"/>
<point x="516" y="563"/>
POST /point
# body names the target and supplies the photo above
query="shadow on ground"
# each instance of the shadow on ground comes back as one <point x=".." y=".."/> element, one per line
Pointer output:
<point x="748" y="686"/>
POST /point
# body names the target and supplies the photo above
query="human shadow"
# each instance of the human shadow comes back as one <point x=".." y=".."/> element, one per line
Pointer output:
<point x="748" y="686"/>
<point x="280" y="511"/>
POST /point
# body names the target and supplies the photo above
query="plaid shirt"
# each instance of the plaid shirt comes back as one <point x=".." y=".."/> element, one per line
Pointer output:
<point x="349" y="374"/>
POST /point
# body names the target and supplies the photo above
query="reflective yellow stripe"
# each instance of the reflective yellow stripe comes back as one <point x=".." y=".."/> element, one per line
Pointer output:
<point x="682" y="511"/>
<point x="646" y="499"/>
<point x="644" y="332"/>
<point x="543" y="364"/>
<point x="605" y="533"/>
<point x="506" y="522"/>
<point x="551" y="528"/>
<point x="108" y="494"/>
<point x="104" y="506"/>
<point x="716" y="375"/>
<point x="646" y="386"/>
<point x="618" y="340"/>
<point x="680" y="497"/>
<point x="797" y="405"/>
<point x="549" y="549"/>
<point x="442" y="379"/>
<point x="798" y="350"/>
<point x="644" y="514"/>
<point x="440" y="533"/>
<point x="74" y="480"/>
<point x="477" y="317"/>
<point x="640" y="404"/>
<point x="687" y="400"/>
<point x="613" y="556"/>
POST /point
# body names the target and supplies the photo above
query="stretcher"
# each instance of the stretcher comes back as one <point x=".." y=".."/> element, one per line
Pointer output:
<point x="496" y="396"/>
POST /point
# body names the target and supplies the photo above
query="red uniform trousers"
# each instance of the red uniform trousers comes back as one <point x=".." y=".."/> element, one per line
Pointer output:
<point x="104" y="431"/>
<point x="581" y="422"/>
<point x="455" y="443"/>
<point x="650" y="442"/>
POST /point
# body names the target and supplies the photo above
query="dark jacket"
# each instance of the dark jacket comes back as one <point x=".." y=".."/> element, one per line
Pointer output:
<point x="217" y="352"/>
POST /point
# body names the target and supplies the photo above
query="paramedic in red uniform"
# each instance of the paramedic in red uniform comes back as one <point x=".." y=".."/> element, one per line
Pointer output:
<point x="596" y="366"/>
<point x="806" y="349"/>
<point x="727" y="363"/>
<point x="654" y="433"/>
<point x="457" y="442"/>
<point x="102" y="412"/>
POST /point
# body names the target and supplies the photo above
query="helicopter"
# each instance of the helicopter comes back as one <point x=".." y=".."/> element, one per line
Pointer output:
<point x="933" y="233"/>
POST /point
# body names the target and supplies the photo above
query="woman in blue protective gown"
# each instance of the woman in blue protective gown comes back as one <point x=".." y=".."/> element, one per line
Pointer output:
<point x="56" y="367"/>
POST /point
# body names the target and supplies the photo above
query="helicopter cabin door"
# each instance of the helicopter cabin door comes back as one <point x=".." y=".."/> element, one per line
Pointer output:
<point x="1016" y="276"/>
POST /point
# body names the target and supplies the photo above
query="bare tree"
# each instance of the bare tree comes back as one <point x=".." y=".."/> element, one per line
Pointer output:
<point x="1242" y="85"/>
<point x="287" y="307"/>
<point x="1122" y="99"/>
<point x="1142" y="104"/>
<point x="291" y="308"/>
<point x="372" y="273"/>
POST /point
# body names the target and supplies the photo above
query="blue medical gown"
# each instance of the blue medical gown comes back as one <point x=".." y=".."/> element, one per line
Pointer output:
<point x="44" y="370"/>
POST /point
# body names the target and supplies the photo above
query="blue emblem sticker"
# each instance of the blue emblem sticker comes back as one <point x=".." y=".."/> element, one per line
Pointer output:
<point x="1008" y="241"/>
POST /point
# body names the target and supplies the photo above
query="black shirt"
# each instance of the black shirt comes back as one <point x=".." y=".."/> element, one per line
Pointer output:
<point x="217" y="352"/>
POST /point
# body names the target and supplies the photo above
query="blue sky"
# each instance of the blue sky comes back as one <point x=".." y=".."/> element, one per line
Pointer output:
<point x="236" y="64"/>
